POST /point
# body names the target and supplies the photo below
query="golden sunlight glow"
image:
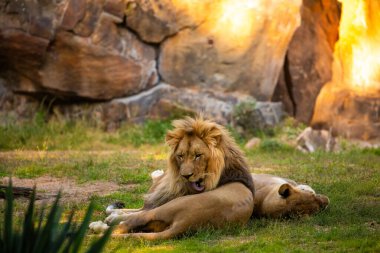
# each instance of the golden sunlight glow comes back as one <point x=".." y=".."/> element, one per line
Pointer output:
<point x="232" y="20"/>
<point x="233" y="26"/>
<point x="236" y="18"/>
<point x="233" y="23"/>
<point x="359" y="44"/>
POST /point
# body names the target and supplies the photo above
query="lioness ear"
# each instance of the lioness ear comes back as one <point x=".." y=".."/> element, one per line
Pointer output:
<point x="285" y="190"/>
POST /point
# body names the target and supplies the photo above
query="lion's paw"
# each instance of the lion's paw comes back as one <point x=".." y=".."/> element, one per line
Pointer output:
<point x="98" y="227"/>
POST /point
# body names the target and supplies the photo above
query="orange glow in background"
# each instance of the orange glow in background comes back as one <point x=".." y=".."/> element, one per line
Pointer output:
<point x="358" y="48"/>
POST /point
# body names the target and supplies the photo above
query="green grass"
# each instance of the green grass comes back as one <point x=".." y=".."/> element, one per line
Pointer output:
<point x="78" y="135"/>
<point x="350" y="178"/>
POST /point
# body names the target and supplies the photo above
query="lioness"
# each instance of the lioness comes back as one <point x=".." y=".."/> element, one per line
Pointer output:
<point x="280" y="197"/>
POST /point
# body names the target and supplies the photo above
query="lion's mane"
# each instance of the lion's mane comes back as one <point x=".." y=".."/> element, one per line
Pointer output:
<point x="226" y="164"/>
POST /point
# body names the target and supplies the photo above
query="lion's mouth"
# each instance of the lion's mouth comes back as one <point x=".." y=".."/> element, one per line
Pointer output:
<point x="198" y="185"/>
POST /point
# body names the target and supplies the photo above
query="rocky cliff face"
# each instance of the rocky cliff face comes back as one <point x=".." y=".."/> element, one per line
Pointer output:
<point x="73" y="49"/>
<point x="207" y="55"/>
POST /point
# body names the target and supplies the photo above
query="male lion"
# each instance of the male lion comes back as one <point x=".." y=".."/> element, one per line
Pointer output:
<point x="203" y="157"/>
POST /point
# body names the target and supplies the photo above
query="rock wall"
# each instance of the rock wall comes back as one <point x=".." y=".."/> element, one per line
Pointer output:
<point x="85" y="49"/>
<point x="210" y="54"/>
<point x="309" y="58"/>
<point x="73" y="49"/>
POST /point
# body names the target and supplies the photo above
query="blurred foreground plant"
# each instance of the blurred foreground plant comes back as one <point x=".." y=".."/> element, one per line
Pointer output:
<point x="39" y="235"/>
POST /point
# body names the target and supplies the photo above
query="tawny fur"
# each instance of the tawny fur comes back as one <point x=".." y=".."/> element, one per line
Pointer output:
<point x="278" y="197"/>
<point x="229" y="204"/>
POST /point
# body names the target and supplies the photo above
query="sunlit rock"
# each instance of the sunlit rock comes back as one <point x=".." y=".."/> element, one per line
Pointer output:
<point x="73" y="50"/>
<point x="309" y="58"/>
<point x="239" y="45"/>
<point x="350" y="103"/>
<point x="155" y="20"/>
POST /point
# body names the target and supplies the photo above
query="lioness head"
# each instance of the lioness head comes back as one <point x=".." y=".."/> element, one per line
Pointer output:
<point x="289" y="201"/>
<point x="197" y="160"/>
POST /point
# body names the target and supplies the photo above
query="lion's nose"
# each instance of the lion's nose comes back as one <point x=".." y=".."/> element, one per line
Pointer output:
<point x="187" y="176"/>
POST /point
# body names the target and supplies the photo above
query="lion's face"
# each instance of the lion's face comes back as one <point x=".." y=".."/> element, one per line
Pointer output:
<point x="293" y="201"/>
<point x="197" y="158"/>
<point x="191" y="159"/>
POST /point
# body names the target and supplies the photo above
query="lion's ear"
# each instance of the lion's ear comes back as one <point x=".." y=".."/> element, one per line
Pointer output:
<point x="213" y="137"/>
<point x="285" y="190"/>
<point x="172" y="139"/>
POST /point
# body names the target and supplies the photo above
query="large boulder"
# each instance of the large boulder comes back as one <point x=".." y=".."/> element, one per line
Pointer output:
<point x="347" y="113"/>
<point x="222" y="45"/>
<point x="155" y="20"/>
<point x="73" y="49"/>
<point x="166" y="100"/>
<point x="309" y="58"/>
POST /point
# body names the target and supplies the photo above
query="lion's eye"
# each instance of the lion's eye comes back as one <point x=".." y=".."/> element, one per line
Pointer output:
<point x="180" y="157"/>
<point x="197" y="156"/>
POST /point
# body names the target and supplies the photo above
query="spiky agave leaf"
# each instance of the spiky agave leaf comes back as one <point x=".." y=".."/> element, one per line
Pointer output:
<point x="28" y="232"/>
<point x="8" y="222"/>
<point x="44" y="238"/>
<point x="47" y="236"/>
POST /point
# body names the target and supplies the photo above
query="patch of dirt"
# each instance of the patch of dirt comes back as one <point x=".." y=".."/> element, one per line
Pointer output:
<point x="48" y="187"/>
<point x="33" y="154"/>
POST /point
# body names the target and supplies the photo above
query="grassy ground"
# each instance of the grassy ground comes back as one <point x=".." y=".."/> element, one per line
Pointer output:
<point x="350" y="178"/>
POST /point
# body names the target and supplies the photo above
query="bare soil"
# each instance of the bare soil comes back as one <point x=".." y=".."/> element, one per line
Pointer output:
<point x="48" y="187"/>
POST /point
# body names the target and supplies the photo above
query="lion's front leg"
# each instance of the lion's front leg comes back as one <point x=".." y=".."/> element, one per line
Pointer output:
<point x="118" y="216"/>
<point x="119" y="207"/>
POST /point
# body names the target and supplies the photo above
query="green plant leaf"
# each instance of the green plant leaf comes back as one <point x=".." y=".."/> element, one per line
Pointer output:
<point x="44" y="238"/>
<point x="8" y="216"/>
<point x="28" y="232"/>
<point x="98" y="245"/>
<point x="79" y="236"/>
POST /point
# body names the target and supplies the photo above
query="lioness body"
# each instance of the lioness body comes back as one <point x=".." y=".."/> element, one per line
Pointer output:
<point x="231" y="203"/>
